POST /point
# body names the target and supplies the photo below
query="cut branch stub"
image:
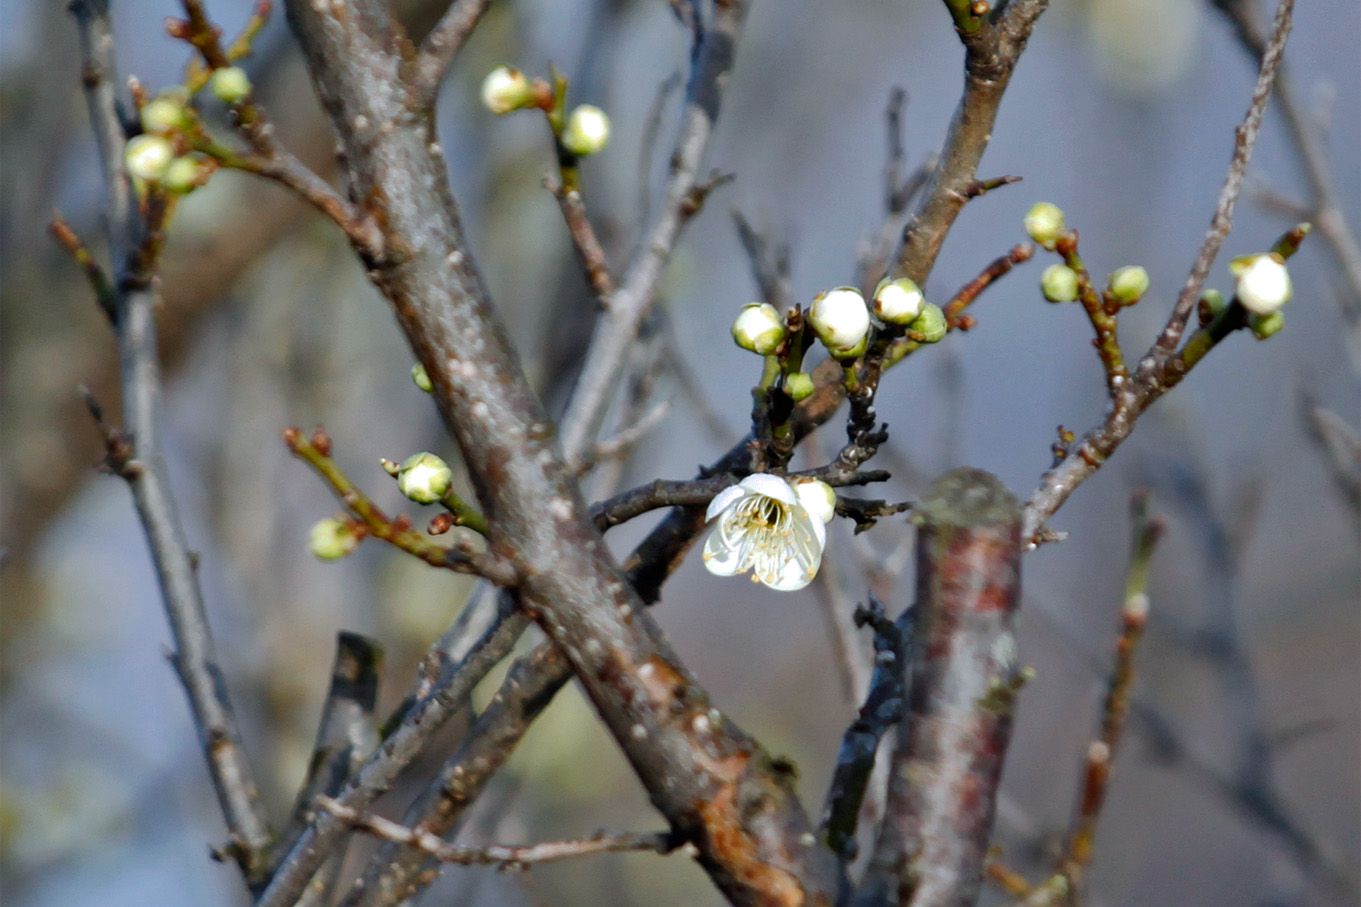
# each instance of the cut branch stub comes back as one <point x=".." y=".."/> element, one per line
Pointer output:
<point x="951" y="745"/>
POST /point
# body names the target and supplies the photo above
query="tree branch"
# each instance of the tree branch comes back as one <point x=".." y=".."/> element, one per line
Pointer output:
<point x="943" y="783"/>
<point x="137" y="456"/>
<point x="441" y="46"/>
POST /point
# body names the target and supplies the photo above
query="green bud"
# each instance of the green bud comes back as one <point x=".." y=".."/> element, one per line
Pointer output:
<point x="1128" y="284"/>
<point x="424" y="478"/>
<point x="230" y="85"/>
<point x="421" y="379"/>
<point x="331" y="539"/>
<point x="798" y="385"/>
<point x="166" y="113"/>
<point x="185" y="174"/>
<point x="1058" y="283"/>
<point x="930" y="325"/>
<point x="1214" y="300"/>
<point x="587" y="130"/>
<point x="1044" y="224"/>
<point x="1264" y="326"/>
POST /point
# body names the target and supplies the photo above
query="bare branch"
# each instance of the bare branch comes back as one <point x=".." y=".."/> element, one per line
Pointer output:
<point x="441" y="46"/>
<point x="503" y="855"/>
<point x="133" y="244"/>
<point x="943" y="785"/>
<point x="1245" y="139"/>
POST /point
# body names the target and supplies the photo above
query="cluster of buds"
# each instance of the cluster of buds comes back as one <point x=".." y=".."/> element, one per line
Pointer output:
<point x="583" y="132"/>
<point x="160" y="156"/>
<point x="1263" y="288"/>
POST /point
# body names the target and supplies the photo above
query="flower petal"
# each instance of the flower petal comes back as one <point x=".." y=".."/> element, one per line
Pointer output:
<point x="771" y="486"/>
<point x="720" y="557"/>
<point x="802" y="555"/>
<point x="723" y="500"/>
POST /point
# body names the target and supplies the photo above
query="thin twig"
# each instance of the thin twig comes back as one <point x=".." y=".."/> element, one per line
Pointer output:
<point x="133" y="244"/>
<point x="769" y="263"/>
<point x="465" y="556"/>
<point x="1245" y="139"/>
<point x="589" y="251"/>
<point x="503" y="855"/>
<point x="441" y="46"/>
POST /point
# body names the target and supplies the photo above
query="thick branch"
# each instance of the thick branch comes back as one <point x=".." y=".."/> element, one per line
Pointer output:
<point x="713" y="783"/>
<point x="946" y="770"/>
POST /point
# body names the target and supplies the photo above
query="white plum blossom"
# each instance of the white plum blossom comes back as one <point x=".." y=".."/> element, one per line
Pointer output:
<point x="898" y="301"/>
<point x="758" y="328"/>
<point x="505" y="89"/>
<point x="1263" y="283"/>
<point x="770" y="527"/>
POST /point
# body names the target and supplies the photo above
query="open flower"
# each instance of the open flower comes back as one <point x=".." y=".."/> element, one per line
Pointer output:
<point x="771" y="527"/>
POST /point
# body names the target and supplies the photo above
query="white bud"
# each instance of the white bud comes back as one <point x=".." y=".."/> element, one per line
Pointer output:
<point x="148" y="156"/>
<point x="1263" y="282"/>
<point x="816" y="496"/>
<point x="1059" y="283"/>
<point x="331" y="539"/>
<point x="1044" y="224"/>
<point x="841" y="321"/>
<point x="898" y="301"/>
<point x="505" y="89"/>
<point x="424" y="478"/>
<point x="587" y="130"/>
<point x="758" y="328"/>
<point x="230" y="84"/>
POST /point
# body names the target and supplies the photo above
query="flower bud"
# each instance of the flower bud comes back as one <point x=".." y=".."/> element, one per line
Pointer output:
<point x="816" y="496"/>
<point x="1264" y="326"/>
<point x="1263" y="282"/>
<point x="230" y="84"/>
<point x="930" y="325"/>
<point x="331" y="539"/>
<point x="898" y="301"/>
<point x="1214" y="302"/>
<point x="1044" y="224"/>
<point x="841" y="320"/>
<point x="424" y="478"/>
<point x="148" y="156"/>
<point x="166" y="113"/>
<point x="1128" y="284"/>
<point x="505" y="89"/>
<point x="587" y="130"/>
<point x="758" y="328"/>
<point x="799" y="386"/>
<point x="185" y="174"/>
<point x="421" y="379"/>
<point x="1059" y="283"/>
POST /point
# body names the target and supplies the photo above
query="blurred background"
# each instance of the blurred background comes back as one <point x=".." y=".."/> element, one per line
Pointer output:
<point x="1238" y="783"/>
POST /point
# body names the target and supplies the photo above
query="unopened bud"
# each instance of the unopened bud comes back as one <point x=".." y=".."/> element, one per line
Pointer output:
<point x="166" y="113"/>
<point x="421" y="379"/>
<point x="1059" y="283"/>
<point x="587" y="130"/>
<point x="331" y="539"/>
<point x="1263" y="282"/>
<point x="816" y="496"/>
<point x="758" y="328"/>
<point x="424" y="478"/>
<point x="898" y="301"/>
<point x="930" y="326"/>
<point x="1044" y="224"/>
<point x="1264" y="326"/>
<point x="505" y="89"/>
<point x="148" y="156"/>
<point x="1128" y="284"/>
<point x="185" y="174"/>
<point x="1214" y="302"/>
<point x="230" y="85"/>
<point x="799" y="386"/>
<point x="842" y="321"/>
